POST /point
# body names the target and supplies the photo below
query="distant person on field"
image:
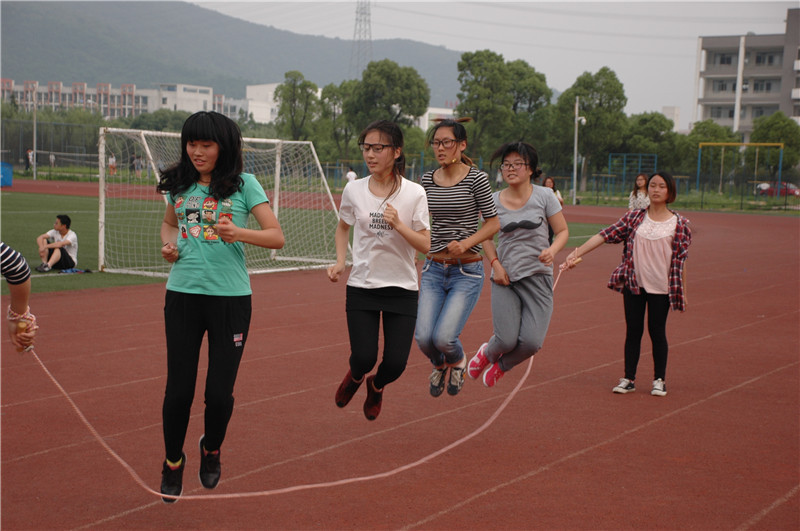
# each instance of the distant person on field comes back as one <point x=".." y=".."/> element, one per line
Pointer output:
<point x="351" y="175"/>
<point x="112" y="165"/>
<point x="52" y="160"/>
<point x="639" y="198"/>
<point x="18" y="275"/>
<point x="138" y="164"/>
<point x="549" y="182"/>
<point x="58" y="248"/>
<point x="28" y="160"/>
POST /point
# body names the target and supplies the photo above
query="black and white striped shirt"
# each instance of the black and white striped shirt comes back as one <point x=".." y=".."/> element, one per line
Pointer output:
<point x="13" y="265"/>
<point x="456" y="210"/>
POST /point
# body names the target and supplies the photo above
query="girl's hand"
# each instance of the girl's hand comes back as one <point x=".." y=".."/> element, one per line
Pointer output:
<point x="334" y="271"/>
<point x="546" y="256"/>
<point x="170" y="252"/>
<point x="499" y="274"/>
<point x="227" y="230"/>
<point x="456" y="248"/>
<point x="572" y="260"/>
<point x="390" y="215"/>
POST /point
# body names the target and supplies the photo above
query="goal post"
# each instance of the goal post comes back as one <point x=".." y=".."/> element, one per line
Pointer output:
<point x="131" y="210"/>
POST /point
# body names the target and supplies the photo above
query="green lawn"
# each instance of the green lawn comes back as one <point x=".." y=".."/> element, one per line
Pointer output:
<point x="25" y="216"/>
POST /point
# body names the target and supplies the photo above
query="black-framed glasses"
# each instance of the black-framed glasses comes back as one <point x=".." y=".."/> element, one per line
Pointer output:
<point x="515" y="165"/>
<point x="376" y="148"/>
<point x="447" y="143"/>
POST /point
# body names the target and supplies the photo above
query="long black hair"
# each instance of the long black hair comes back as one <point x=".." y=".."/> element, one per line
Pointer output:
<point x="225" y="178"/>
<point x="524" y="150"/>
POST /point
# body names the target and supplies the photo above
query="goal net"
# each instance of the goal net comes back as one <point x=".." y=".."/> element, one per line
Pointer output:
<point x="131" y="210"/>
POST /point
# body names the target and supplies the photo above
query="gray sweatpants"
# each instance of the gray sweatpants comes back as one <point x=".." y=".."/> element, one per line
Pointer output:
<point x="520" y="316"/>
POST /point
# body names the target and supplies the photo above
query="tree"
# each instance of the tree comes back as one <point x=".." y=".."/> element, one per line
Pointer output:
<point x="651" y="132"/>
<point x="530" y="95"/>
<point x="601" y="101"/>
<point x="334" y="123"/>
<point x="388" y="91"/>
<point x="485" y="97"/>
<point x="297" y="103"/>
<point x="776" y="128"/>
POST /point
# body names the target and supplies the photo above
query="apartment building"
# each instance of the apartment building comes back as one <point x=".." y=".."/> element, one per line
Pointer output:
<point x="114" y="102"/>
<point x="743" y="77"/>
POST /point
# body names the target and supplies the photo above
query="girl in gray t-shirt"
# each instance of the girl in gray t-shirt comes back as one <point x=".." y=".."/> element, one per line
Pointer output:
<point x="522" y="265"/>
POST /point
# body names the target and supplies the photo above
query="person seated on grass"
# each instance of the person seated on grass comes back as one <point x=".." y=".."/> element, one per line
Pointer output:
<point x="58" y="248"/>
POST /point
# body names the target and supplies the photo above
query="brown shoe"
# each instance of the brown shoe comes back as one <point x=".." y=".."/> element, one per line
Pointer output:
<point x="347" y="389"/>
<point x="372" y="405"/>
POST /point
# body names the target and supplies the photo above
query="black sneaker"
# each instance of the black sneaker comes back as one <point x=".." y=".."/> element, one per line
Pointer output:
<point x="456" y="381"/>
<point x="209" y="467"/>
<point x="43" y="268"/>
<point x="437" y="380"/>
<point x="172" y="480"/>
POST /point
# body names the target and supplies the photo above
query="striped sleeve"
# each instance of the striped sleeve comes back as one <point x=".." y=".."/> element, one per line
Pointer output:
<point x="13" y="265"/>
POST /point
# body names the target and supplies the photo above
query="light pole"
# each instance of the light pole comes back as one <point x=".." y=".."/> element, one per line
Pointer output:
<point x="582" y="121"/>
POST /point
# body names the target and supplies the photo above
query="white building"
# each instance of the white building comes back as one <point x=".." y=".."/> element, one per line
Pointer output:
<point x="743" y="77"/>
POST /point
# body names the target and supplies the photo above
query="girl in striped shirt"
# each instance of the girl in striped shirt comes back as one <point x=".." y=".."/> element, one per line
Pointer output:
<point x="452" y="277"/>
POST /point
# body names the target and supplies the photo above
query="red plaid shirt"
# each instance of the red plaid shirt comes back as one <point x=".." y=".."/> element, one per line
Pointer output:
<point x="624" y="276"/>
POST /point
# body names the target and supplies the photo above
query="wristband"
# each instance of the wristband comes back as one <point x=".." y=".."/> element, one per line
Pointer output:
<point x="493" y="261"/>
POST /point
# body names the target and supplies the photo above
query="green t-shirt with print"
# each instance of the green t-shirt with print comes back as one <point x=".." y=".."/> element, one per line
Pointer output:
<point x="207" y="265"/>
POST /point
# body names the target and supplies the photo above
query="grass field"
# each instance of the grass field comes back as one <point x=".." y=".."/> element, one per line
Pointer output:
<point x="25" y="216"/>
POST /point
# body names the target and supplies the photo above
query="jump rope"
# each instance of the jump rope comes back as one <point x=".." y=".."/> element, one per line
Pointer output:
<point x="285" y="490"/>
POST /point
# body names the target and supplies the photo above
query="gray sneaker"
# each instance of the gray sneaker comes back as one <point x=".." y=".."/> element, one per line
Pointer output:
<point x="624" y="386"/>
<point x="437" y="381"/>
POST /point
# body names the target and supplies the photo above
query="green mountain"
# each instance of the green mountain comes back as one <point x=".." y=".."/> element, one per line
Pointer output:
<point x="147" y="43"/>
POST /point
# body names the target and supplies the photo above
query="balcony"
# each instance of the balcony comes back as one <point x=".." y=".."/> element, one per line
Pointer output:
<point x="796" y="93"/>
<point x="797" y="65"/>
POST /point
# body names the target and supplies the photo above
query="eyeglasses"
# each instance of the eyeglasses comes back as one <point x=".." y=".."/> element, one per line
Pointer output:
<point x="515" y="165"/>
<point x="376" y="148"/>
<point x="447" y="143"/>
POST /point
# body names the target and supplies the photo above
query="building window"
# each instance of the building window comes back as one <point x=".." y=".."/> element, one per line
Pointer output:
<point x="762" y="85"/>
<point x="163" y="101"/>
<point x="720" y="85"/>
<point x="724" y="58"/>
<point x="767" y="59"/>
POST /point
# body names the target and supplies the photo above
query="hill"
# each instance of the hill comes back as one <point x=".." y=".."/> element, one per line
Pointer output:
<point x="147" y="43"/>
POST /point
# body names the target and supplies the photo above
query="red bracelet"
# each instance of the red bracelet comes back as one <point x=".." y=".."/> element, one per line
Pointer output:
<point x="493" y="261"/>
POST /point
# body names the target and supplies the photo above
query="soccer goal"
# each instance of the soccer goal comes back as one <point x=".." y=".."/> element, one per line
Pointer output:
<point x="131" y="210"/>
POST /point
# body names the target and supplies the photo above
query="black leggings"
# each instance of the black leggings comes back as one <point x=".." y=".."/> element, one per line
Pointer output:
<point x="187" y="318"/>
<point x="365" y="308"/>
<point x="657" y="311"/>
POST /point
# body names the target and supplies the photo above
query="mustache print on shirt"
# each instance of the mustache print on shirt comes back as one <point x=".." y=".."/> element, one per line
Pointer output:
<point x="524" y="224"/>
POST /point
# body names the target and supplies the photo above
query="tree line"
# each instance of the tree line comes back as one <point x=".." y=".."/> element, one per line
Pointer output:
<point x="506" y="100"/>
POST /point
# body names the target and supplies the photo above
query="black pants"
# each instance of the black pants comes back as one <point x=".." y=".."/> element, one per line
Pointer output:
<point x="657" y="310"/>
<point x="365" y="308"/>
<point x="187" y="318"/>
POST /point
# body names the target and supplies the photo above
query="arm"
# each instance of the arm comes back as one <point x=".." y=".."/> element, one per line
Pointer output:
<point x="169" y="235"/>
<point x="486" y="232"/>
<point x="419" y="240"/>
<point x="270" y="236"/>
<point x="41" y="241"/>
<point x="590" y="245"/>
<point x="561" y="236"/>
<point x="341" y="239"/>
<point x="499" y="274"/>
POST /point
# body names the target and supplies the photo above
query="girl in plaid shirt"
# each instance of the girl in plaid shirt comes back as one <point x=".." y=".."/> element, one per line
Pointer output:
<point x="656" y="243"/>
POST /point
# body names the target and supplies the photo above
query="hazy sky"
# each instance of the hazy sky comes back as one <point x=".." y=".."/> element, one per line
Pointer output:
<point x="652" y="46"/>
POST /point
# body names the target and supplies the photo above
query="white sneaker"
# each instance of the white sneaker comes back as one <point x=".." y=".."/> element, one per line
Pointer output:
<point x="659" y="388"/>
<point x="624" y="386"/>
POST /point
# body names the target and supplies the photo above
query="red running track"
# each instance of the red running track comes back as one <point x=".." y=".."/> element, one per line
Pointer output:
<point x="720" y="451"/>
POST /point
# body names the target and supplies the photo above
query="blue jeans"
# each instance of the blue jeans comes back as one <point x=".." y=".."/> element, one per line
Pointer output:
<point x="447" y="296"/>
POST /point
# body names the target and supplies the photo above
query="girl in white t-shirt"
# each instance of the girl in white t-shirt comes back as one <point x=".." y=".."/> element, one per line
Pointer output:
<point x="390" y="221"/>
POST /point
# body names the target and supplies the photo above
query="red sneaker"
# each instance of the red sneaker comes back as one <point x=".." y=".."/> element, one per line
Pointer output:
<point x="372" y="405"/>
<point x="492" y="374"/>
<point x="478" y="363"/>
<point x="347" y="389"/>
